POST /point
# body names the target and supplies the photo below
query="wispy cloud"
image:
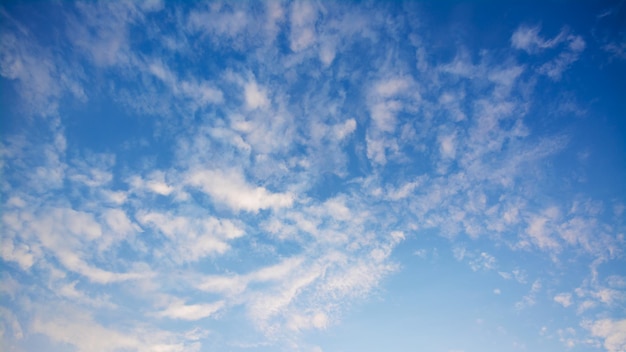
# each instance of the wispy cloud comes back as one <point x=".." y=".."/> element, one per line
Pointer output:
<point x="528" y="39"/>
<point x="279" y="160"/>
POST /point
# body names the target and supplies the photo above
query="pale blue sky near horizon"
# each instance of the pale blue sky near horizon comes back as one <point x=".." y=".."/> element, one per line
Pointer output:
<point x="313" y="176"/>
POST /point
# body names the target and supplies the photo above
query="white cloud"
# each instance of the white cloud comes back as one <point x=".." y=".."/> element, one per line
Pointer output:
<point x="228" y="285"/>
<point x="392" y="86"/>
<point x="528" y="39"/>
<point x="564" y="299"/>
<point x="101" y="31"/>
<point x="299" y="322"/>
<point x="236" y="284"/>
<point x="531" y="298"/>
<point x="405" y="190"/>
<point x="155" y="183"/>
<point x="256" y="97"/>
<point x="585" y="305"/>
<point x="9" y="286"/>
<point x="541" y="232"/>
<point x="94" y="178"/>
<point x="274" y="16"/>
<point x="300" y="293"/>
<point x="302" y="20"/>
<point x="484" y="261"/>
<point x="384" y="115"/>
<point x="119" y="223"/>
<point x="612" y="331"/>
<point x="422" y="253"/>
<point x="617" y="50"/>
<point x="114" y="197"/>
<point x="80" y="330"/>
<point x="201" y="93"/>
<point x="327" y="51"/>
<point x="97" y="275"/>
<point x="40" y="79"/>
<point x="191" y="238"/>
<point x="385" y="103"/>
<point x="180" y="310"/>
<point x="264" y="306"/>
<point x="459" y="253"/>
<point x="230" y="188"/>
<point x="19" y="254"/>
<point x="376" y="150"/>
<point x="66" y="233"/>
<point x="268" y="131"/>
<point x="608" y="296"/>
<point x="69" y="291"/>
<point x="386" y="98"/>
<point x="447" y="145"/>
<point x="220" y="21"/>
<point x="554" y="69"/>
<point x="343" y="130"/>
<point x="251" y="106"/>
<point x="10" y="325"/>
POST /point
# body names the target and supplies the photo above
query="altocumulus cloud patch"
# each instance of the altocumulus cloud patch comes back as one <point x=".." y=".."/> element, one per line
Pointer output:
<point x="312" y="176"/>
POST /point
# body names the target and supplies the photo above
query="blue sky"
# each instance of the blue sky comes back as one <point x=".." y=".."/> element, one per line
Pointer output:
<point x="313" y="176"/>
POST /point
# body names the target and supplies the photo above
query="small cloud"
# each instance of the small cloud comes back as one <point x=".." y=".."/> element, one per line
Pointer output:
<point x="527" y="38"/>
<point x="606" y="13"/>
<point x="182" y="311"/>
<point x="496" y="291"/>
<point x="345" y="129"/>
<point x="317" y="320"/>
<point x="484" y="261"/>
<point x="392" y="86"/>
<point x="231" y="189"/>
<point x="255" y="96"/>
<point x="327" y="53"/>
<point x="585" y="305"/>
<point x="447" y="145"/>
<point x="617" y="50"/>
<point x="155" y="183"/>
<point x="607" y="295"/>
<point x="422" y="253"/>
<point x="459" y="253"/>
<point x="530" y="299"/>
<point x="564" y="299"/>
<point x="541" y="233"/>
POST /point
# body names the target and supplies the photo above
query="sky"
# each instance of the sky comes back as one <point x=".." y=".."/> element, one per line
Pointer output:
<point x="314" y="176"/>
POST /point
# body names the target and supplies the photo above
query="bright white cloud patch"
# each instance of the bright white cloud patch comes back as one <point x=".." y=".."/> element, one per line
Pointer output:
<point x="231" y="189"/>
<point x="255" y="96"/>
<point x="613" y="332"/>
<point x="306" y="176"/>
<point x="180" y="310"/>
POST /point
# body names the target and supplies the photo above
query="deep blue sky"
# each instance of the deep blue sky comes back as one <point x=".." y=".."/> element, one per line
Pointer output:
<point x="313" y="176"/>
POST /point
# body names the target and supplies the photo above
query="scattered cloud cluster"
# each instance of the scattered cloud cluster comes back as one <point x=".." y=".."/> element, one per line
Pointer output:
<point x="265" y="162"/>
